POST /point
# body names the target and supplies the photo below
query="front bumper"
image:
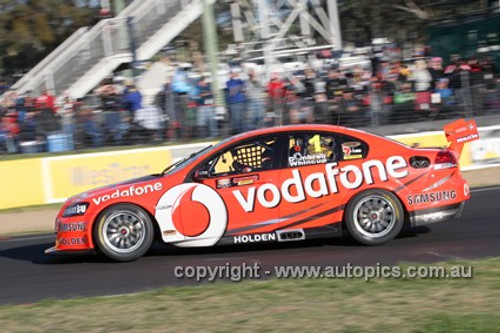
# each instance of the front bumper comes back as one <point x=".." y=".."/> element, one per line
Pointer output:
<point x="434" y="215"/>
<point x="72" y="236"/>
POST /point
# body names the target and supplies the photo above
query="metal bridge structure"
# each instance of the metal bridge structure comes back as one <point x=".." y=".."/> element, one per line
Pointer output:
<point x="90" y="54"/>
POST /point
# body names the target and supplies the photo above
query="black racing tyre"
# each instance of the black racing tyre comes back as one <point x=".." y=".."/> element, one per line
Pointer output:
<point x="374" y="217"/>
<point x="123" y="232"/>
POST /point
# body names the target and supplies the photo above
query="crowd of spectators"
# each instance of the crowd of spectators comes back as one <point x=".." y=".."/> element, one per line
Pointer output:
<point x="388" y="91"/>
<point x="44" y="123"/>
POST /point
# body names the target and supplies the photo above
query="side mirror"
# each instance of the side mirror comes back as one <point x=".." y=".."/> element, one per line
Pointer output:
<point x="200" y="174"/>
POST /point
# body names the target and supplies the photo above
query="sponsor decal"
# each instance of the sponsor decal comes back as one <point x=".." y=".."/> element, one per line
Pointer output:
<point x="106" y="173"/>
<point x="461" y="131"/>
<point x="191" y="215"/>
<point x="352" y="157"/>
<point x="223" y="183"/>
<point x="245" y="180"/>
<point x="203" y="173"/>
<point x="320" y="184"/>
<point x="352" y="150"/>
<point x="297" y="159"/>
<point x="71" y="226"/>
<point x="75" y="209"/>
<point x="432" y="197"/>
<point x="255" y="238"/>
<point x="72" y="241"/>
<point x="468" y="138"/>
<point x="238" y="181"/>
<point x="129" y="192"/>
<point x="470" y="127"/>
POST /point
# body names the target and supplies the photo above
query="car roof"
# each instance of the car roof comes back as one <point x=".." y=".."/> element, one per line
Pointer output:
<point x="293" y="128"/>
<point x="367" y="137"/>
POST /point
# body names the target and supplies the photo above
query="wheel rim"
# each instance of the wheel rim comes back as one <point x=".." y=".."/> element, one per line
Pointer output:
<point x="374" y="216"/>
<point x="123" y="231"/>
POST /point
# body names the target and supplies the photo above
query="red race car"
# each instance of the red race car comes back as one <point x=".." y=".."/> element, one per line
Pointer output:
<point x="273" y="185"/>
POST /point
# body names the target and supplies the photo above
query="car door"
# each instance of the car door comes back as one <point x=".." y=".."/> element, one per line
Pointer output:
<point x="245" y="177"/>
<point x="312" y="196"/>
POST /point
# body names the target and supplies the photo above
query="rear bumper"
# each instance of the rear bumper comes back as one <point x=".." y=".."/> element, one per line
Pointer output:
<point x="441" y="214"/>
<point x="53" y="251"/>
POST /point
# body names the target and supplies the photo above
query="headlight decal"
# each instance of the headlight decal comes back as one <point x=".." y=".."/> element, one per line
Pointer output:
<point x="77" y="209"/>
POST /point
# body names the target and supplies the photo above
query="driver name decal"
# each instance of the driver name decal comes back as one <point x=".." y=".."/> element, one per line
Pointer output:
<point x="299" y="160"/>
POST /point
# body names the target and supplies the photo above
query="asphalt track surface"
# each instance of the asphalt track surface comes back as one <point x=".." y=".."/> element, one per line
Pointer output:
<point x="27" y="275"/>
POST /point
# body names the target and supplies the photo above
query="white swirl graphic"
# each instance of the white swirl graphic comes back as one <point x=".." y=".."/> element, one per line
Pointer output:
<point x="201" y="194"/>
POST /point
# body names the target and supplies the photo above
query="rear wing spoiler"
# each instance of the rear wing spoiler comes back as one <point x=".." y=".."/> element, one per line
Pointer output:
<point x="460" y="132"/>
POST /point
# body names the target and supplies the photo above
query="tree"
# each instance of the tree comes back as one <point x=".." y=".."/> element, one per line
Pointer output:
<point x="29" y="30"/>
<point x="363" y="20"/>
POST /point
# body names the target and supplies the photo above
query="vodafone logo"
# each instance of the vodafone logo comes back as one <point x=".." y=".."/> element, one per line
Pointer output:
<point x="297" y="188"/>
<point x="195" y="212"/>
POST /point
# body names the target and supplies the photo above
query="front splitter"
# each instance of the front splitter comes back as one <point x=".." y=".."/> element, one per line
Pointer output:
<point x="53" y="251"/>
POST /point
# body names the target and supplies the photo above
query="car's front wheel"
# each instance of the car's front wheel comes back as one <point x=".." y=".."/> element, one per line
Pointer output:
<point x="374" y="217"/>
<point x="123" y="232"/>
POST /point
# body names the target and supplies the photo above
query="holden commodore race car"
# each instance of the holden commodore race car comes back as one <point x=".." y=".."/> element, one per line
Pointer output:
<point x="273" y="185"/>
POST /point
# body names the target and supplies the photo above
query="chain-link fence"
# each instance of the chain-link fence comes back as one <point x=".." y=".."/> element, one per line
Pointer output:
<point x="117" y="119"/>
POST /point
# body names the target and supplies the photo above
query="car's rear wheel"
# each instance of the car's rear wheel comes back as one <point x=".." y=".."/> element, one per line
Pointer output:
<point x="374" y="217"/>
<point x="124" y="232"/>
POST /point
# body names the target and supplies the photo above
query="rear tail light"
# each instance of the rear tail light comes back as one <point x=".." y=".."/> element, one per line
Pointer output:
<point x="445" y="159"/>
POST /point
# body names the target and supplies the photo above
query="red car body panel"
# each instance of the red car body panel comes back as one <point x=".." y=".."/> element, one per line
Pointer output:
<point x="258" y="205"/>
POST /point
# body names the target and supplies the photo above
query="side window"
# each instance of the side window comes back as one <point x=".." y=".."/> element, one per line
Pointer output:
<point x="311" y="148"/>
<point x="258" y="155"/>
<point x="352" y="148"/>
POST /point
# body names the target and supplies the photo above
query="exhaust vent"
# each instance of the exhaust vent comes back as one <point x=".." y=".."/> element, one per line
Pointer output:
<point x="419" y="162"/>
<point x="290" y="235"/>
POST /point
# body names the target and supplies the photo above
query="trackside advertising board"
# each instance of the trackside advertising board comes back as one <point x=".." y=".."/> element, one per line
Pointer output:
<point x="43" y="180"/>
<point x="65" y="176"/>
<point x="47" y="180"/>
<point x="478" y="154"/>
<point x="21" y="183"/>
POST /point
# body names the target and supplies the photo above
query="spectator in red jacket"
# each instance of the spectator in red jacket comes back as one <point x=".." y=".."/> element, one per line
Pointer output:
<point x="276" y="93"/>
<point x="9" y="129"/>
<point x="45" y="101"/>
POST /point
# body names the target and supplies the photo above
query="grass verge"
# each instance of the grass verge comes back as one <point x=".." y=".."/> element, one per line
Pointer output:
<point x="381" y="305"/>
